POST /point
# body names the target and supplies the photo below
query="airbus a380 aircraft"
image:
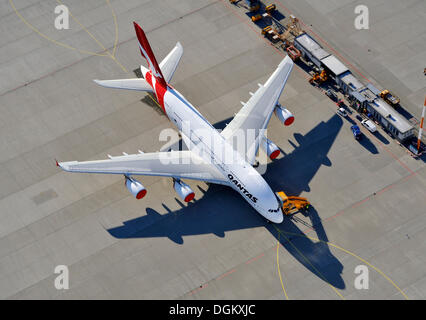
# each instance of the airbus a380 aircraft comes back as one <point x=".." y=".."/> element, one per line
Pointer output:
<point x="212" y="156"/>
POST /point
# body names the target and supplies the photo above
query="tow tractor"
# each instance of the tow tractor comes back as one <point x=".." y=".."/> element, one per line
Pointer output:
<point x="293" y="204"/>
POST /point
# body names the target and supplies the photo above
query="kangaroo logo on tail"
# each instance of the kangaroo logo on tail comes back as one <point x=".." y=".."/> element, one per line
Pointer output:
<point x="149" y="55"/>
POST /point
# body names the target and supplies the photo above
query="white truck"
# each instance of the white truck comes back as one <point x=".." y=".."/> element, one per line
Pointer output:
<point x="369" y="125"/>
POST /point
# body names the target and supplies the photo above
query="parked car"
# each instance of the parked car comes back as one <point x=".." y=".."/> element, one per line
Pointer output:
<point x="331" y="94"/>
<point x="369" y="125"/>
<point x="342" y="112"/>
<point x="358" y="117"/>
<point x="356" y="132"/>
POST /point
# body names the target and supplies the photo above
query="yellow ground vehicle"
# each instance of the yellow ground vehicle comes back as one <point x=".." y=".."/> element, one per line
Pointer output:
<point x="389" y="98"/>
<point x="319" y="77"/>
<point x="292" y="204"/>
<point x="271" y="8"/>
<point x="256" y="17"/>
<point x="270" y="33"/>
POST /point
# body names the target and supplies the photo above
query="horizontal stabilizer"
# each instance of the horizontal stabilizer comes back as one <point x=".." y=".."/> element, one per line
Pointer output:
<point x="170" y="62"/>
<point x="128" y="84"/>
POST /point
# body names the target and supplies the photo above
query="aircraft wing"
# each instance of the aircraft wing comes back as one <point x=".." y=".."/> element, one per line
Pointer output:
<point x="128" y="84"/>
<point x="255" y="114"/>
<point x="176" y="164"/>
<point x="170" y="62"/>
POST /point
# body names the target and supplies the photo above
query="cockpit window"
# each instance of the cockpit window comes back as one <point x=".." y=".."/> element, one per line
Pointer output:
<point x="280" y="203"/>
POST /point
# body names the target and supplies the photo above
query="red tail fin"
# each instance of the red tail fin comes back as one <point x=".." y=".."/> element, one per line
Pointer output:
<point x="149" y="55"/>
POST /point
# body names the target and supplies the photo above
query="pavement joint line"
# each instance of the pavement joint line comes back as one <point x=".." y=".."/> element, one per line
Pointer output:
<point x="266" y="41"/>
<point x="384" y="147"/>
<point x="325" y="42"/>
<point x="96" y="40"/>
<point x="352" y="254"/>
<point x="88" y="52"/>
<point x="416" y="122"/>
<point x="114" y="48"/>
<point x="100" y="154"/>
<point x="308" y="261"/>
<point x="303" y="72"/>
<point x="59" y="43"/>
<point x="109" y="55"/>
<point x="307" y="230"/>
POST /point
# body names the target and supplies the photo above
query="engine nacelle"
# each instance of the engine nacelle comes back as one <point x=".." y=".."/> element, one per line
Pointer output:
<point x="284" y="115"/>
<point x="270" y="148"/>
<point x="135" y="188"/>
<point x="183" y="190"/>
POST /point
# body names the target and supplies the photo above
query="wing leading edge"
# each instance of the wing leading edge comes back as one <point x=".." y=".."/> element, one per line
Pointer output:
<point x="256" y="113"/>
<point x="175" y="164"/>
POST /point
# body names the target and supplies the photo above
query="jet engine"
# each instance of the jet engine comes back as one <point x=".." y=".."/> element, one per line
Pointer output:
<point x="270" y="148"/>
<point x="135" y="188"/>
<point x="283" y="115"/>
<point x="183" y="190"/>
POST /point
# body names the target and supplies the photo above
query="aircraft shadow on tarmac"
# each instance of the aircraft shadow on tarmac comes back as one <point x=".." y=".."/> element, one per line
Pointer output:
<point x="365" y="141"/>
<point x="221" y="209"/>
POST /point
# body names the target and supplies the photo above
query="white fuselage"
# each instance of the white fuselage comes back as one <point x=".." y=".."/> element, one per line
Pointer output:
<point x="211" y="146"/>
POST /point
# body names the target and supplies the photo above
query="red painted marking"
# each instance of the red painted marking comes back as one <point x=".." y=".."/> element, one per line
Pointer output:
<point x="274" y="154"/>
<point x="141" y="194"/>
<point x="325" y="42"/>
<point x="189" y="197"/>
<point x="397" y="159"/>
<point x="256" y="258"/>
<point x="360" y="202"/>
<point x="289" y="121"/>
<point x="226" y="274"/>
<point x="198" y="289"/>
<point x="309" y="229"/>
<point x="281" y="53"/>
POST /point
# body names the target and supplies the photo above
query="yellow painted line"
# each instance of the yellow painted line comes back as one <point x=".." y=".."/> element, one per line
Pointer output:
<point x="279" y="271"/>
<point x="105" y="49"/>
<point x="50" y="39"/>
<point x="64" y="45"/>
<point x="369" y="264"/>
<point x="355" y="256"/>
<point x="114" y="17"/>
<point x="310" y="263"/>
<point x="85" y="29"/>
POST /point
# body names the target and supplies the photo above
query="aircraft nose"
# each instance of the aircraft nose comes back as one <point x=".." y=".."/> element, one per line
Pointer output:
<point x="277" y="217"/>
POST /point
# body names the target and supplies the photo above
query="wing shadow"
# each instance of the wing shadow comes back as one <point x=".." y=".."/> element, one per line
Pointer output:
<point x="221" y="209"/>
